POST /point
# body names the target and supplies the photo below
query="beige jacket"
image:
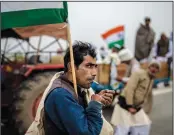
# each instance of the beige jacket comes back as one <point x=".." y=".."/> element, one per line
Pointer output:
<point x="138" y="90"/>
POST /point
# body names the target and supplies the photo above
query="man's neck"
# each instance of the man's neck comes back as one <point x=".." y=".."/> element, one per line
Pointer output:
<point x="69" y="76"/>
<point x="151" y="76"/>
<point x="148" y="74"/>
<point x="147" y="26"/>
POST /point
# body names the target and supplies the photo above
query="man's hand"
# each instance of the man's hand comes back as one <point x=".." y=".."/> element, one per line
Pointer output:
<point x="98" y="98"/>
<point x="107" y="95"/>
<point x="132" y="110"/>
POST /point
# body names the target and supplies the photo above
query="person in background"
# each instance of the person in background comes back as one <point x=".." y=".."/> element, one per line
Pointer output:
<point x="103" y="53"/>
<point x="126" y="57"/>
<point x="116" y="48"/>
<point x="128" y="115"/>
<point x="113" y="60"/>
<point x="162" y="52"/>
<point x="144" y="41"/>
<point x="114" y="84"/>
<point x="120" y="54"/>
<point x="170" y="67"/>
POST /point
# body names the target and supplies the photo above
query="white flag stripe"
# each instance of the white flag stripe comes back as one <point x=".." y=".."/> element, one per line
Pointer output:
<point x="17" y="6"/>
<point x="115" y="37"/>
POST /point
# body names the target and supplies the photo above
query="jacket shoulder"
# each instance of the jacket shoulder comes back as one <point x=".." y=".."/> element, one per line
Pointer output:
<point x="59" y="93"/>
<point x="140" y="72"/>
<point x="152" y="30"/>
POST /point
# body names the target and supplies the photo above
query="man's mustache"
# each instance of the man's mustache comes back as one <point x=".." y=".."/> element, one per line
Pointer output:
<point x="91" y="78"/>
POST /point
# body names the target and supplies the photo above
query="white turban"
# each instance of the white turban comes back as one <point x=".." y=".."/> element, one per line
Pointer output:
<point x="125" y="55"/>
<point x="156" y="63"/>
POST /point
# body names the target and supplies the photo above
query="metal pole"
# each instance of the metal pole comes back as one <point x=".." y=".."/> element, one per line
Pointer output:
<point x="38" y="49"/>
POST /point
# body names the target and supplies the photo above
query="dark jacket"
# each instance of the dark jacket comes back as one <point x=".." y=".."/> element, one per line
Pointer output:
<point x="64" y="115"/>
<point x="162" y="47"/>
<point x="144" y="42"/>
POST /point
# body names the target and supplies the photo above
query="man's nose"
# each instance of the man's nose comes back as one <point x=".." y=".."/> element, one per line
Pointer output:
<point x="94" y="71"/>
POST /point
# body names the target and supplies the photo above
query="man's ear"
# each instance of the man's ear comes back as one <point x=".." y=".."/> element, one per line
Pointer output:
<point x="69" y="67"/>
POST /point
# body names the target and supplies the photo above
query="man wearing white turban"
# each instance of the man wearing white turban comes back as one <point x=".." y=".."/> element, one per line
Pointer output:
<point x="126" y="56"/>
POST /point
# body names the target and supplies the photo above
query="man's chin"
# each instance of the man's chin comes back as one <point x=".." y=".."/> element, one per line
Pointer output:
<point x="153" y="75"/>
<point x="87" y="86"/>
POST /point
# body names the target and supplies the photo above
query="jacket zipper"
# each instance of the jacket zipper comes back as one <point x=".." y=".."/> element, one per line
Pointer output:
<point x="147" y="90"/>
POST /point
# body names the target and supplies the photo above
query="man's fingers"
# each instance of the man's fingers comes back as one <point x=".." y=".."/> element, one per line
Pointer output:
<point x="107" y="91"/>
<point x="108" y="99"/>
<point x="105" y="102"/>
<point x="110" y="91"/>
<point x="102" y="92"/>
<point x="108" y="96"/>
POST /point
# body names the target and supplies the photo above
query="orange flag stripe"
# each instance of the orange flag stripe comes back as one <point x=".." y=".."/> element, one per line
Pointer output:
<point x="113" y="31"/>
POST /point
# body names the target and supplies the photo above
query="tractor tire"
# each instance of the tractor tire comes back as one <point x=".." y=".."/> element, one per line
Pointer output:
<point x="27" y="98"/>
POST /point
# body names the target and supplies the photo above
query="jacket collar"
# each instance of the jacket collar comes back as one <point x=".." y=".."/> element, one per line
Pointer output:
<point x="64" y="78"/>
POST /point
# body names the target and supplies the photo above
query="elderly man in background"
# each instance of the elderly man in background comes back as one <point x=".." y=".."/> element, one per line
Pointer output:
<point x="144" y="41"/>
<point x="162" y="52"/>
<point x="125" y="56"/>
<point x="129" y="115"/>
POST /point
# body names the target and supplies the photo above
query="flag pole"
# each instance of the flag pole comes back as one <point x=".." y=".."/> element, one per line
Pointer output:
<point x="72" y="60"/>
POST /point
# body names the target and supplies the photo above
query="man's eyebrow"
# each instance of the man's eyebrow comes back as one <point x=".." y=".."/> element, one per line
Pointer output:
<point x="92" y="64"/>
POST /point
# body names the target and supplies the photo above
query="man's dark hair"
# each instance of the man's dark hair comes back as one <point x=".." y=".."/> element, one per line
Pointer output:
<point x="80" y="49"/>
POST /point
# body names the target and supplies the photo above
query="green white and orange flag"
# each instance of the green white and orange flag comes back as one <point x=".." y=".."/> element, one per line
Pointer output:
<point x="35" y="18"/>
<point x="114" y="37"/>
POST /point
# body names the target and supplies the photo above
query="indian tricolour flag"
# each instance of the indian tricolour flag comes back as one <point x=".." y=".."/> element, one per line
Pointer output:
<point x="114" y="37"/>
<point x="35" y="18"/>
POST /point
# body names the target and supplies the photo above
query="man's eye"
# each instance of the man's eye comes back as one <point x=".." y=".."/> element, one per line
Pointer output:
<point x="89" y="66"/>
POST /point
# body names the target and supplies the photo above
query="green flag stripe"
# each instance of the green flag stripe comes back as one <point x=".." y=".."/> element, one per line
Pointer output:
<point x="120" y="42"/>
<point x="33" y="17"/>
